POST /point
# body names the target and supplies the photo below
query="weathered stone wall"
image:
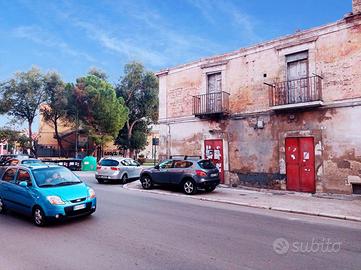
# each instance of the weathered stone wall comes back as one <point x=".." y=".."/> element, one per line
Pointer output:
<point x="356" y="6"/>
<point x="256" y="156"/>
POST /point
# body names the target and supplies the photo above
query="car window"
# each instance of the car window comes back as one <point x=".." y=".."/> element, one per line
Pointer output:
<point x="132" y="162"/>
<point x="206" y="164"/>
<point x="9" y="175"/>
<point x="23" y="175"/>
<point x="182" y="164"/>
<point x="109" y="162"/>
<point x="31" y="161"/>
<point x="125" y="162"/>
<point x="166" y="164"/>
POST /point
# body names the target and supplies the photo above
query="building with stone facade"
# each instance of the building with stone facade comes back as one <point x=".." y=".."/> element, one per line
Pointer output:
<point x="282" y="114"/>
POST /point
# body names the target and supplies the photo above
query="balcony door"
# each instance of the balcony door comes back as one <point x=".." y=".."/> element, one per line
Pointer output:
<point x="214" y="91"/>
<point x="297" y="77"/>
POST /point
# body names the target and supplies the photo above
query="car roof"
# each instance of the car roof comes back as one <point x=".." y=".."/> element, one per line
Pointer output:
<point x="116" y="158"/>
<point x="35" y="166"/>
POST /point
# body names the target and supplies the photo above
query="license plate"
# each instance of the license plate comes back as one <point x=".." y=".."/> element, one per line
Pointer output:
<point x="214" y="174"/>
<point x="79" y="207"/>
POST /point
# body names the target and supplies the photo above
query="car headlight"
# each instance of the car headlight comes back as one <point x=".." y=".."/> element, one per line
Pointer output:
<point x="91" y="193"/>
<point x="55" y="200"/>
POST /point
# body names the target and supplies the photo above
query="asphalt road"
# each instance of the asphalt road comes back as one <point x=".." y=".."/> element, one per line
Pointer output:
<point x="138" y="230"/>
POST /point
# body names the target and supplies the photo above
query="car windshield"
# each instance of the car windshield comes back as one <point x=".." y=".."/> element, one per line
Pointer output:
<point x="57" y="176"/>
<point x="206" y="164"/>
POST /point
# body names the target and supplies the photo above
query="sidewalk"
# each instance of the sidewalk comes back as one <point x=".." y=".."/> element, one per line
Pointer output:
<point x="340" y="207"/>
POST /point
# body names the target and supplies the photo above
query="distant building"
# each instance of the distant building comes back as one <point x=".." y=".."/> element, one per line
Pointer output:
<point x="48" y="145"/>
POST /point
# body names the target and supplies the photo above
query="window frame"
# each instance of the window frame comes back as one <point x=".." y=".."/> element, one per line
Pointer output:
<point x="30" y="181"/>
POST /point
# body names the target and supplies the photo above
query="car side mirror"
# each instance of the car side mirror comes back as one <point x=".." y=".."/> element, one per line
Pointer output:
<point x="156" y="167"/>
<point x="23" y="184"/>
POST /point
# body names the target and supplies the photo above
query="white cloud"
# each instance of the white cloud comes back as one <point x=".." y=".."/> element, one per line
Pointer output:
<point x="211" y="9"/>
<point x="40" y="36"/>
<point x="120" y="46"/>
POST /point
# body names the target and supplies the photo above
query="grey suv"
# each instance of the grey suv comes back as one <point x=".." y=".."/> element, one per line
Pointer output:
<point x="190" y="174"/>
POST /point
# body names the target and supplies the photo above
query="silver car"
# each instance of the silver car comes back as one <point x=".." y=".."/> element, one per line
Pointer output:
<point x="117" y="169"/>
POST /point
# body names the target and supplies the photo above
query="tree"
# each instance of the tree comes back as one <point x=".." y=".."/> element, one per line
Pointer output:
<point x="12" y="137"/>
<point x="139" y="89"/>
<point x="55" y="109"/>
<point x="9" y="136"/>
<point x="21" y="98"/>
<point x="98" y="108"/>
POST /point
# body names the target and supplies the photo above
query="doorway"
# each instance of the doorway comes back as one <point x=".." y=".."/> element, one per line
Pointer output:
<point x="300" y="164"/>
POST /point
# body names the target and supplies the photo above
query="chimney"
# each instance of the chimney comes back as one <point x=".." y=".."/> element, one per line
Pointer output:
<point x="356" y="7"/>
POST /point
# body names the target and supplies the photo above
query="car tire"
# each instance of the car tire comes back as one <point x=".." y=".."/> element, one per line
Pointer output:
<point x="39" y="218"/>
<point x="147" y="182"/>
<point x="189" y="187"/>
<point x="210" y="189"/>
<point x="100" y="181"/>
<point x="2" y="206"/>
<point x="124" y="179"/>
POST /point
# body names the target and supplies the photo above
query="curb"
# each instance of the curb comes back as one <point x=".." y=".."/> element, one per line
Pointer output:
<point x="280" y="209"/>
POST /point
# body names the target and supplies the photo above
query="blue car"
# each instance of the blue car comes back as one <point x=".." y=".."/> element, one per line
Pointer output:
<point x="45" y="192"/>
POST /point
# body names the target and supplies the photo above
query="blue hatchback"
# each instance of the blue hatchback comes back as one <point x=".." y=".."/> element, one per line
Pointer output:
<point x="45" y="192"/>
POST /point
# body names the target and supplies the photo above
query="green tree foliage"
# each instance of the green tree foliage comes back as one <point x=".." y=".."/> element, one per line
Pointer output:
<point x="139" y="89"/>
<point x="21" y="98"/>
<point x="12" y="137"/>
<point x="99" y="110"/>
<point x="54" y="111"/>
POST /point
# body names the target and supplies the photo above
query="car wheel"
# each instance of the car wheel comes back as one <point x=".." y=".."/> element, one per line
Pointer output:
<point x="39" y="217"/>
<point x="189" y="187"/>
<point x="124" y="179"/>
<point x="210" y="189"/>
<point x="2" y="206"/>
<point x="146" y="181"/>
<point x="100" y="181"/>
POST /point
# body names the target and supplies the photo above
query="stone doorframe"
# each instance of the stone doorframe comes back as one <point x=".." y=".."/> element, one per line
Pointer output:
<point x="317" y="135"/>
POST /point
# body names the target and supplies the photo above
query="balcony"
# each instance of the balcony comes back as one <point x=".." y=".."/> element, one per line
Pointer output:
<point x="211" y="105"/>
<point x="300" y="93"/>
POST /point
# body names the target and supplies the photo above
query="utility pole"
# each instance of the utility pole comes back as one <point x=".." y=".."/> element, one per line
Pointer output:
<point x="76" y="133"/>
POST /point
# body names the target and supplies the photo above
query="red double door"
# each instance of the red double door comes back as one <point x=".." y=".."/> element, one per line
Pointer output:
<point x="300" y="164"/>
<point x="213" y="150"/>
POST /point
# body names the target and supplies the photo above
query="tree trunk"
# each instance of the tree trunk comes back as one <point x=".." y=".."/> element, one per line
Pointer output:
<point x="58" y="139"/>
<point x="32" y="150"/>
<point x="130" y="151"/>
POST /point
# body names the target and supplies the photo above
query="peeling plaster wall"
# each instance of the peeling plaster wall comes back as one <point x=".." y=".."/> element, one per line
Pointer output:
<point x="257" y="156"/>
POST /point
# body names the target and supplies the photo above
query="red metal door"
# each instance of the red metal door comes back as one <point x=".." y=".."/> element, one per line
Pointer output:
<point x="292" y="164"/>
<point x="307" y="165"/>
<point x="213" y="150"/>
<point x="300" y="164"/>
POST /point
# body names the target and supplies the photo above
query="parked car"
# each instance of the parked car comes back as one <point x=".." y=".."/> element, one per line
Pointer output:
<point x="45" y="192"/>
<point x="189" y="174"/>
<point x="16" y="161"/>
<point x="31" y="161"/>
<point x="117" y="169"/>
<point x="5" y="158"/>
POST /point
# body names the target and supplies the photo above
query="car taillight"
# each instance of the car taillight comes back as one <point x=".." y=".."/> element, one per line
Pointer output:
<point x="115" y="169"/>
<point x="99" y="167"/>
<point x="201" y="173"/>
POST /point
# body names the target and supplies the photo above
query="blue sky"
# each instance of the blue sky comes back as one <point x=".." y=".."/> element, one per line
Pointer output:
<point x="72" y="36"/>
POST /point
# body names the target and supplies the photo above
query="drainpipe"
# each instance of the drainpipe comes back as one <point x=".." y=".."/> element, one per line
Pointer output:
<point x="168" y="142"/>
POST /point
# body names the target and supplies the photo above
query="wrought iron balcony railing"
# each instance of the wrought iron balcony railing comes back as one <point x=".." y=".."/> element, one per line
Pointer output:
<point x="211" y="104"/>
<point x="303" y="90"/>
